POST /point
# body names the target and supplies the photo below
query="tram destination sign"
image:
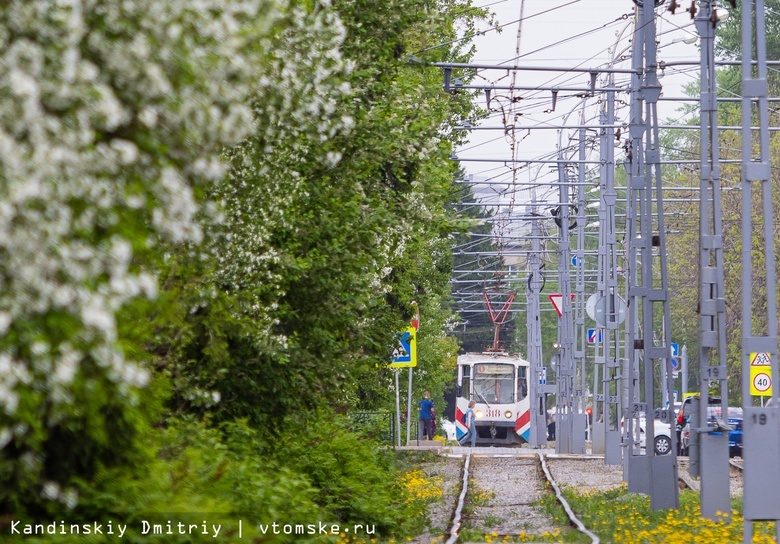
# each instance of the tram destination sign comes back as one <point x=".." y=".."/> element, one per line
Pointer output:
<point x="494" y="368"/>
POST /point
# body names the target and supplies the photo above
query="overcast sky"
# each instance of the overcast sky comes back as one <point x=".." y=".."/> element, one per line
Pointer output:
<point x="562" y="33"/>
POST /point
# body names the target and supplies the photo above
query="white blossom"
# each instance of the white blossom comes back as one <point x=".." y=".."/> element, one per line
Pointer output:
<point x="51" y="490"/>
<point x="92" y="143"/>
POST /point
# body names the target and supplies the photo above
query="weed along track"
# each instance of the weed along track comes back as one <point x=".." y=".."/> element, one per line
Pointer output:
<point x="736" y="482"/>
<point x="490" y="495"/>
<point x="516" y="497"/>
<point x="502" y="494"/>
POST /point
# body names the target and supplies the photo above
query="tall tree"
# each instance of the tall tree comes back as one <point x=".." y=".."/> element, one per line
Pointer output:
<point x="112" y="119"/>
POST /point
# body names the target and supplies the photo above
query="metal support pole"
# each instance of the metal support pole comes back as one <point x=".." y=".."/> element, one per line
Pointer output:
<point x="609" y="363"/>
<point x="537" y="380"/>
<point x="638" y="478"/>
<point x="579" y="418"/>
<point x="761" y="424"/>
<point x="713" y="451"/>
<point x="409" y="410"/>
<point x="648" y="471"/>
<point x="564" y="375"/>
<point x="598" y="429"/>
<point x="397" y="406"/>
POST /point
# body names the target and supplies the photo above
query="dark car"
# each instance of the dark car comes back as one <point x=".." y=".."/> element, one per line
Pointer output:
<point x="735" y="437"/>
<point x="735" y="433"/>
<point x="682" y="428"/>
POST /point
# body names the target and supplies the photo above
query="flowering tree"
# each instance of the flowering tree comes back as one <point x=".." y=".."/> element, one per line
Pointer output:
<point x="282" y="284"/>
<point x="112" y="119"/>
<point x="327" y="207"/>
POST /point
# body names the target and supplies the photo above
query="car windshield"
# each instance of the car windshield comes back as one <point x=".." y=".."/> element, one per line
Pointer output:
<point x="494" y="383"/>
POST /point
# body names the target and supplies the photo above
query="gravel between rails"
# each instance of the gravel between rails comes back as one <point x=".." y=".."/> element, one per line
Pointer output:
<point x="508" y="486"/>
<point x="735" y="477"/>
<point x="501" y="494"/>
<point x="585" y="474"/>
<point x="448" y="471"/>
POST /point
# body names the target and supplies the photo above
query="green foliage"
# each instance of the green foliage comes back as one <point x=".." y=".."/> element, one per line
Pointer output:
<point x="190" y="473"/>
<point x="354" y="479"/>
<point x="280" y="288"/>
<point x="333" y="227"/>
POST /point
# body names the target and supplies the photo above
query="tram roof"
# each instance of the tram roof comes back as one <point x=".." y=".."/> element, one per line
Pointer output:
<point x="491" y="357"/>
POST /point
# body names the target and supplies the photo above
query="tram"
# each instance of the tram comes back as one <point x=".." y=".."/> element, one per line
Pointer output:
<point x="498" y="383"/>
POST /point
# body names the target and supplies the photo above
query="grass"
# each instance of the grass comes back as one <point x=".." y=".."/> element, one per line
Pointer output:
<point x="619" y="516"/>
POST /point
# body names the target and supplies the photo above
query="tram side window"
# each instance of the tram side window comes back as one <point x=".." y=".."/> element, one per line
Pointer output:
<point x="522" y="384"/>
<point x="465" y="387"/>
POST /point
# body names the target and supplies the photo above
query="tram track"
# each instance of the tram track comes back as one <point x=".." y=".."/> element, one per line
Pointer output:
<point x="522" y="480"/>
<point x="506" y="506"/>
<point x="735" y="483"/>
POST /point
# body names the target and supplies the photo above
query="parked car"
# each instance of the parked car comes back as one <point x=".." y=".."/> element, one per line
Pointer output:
<point x="734" y="421"/>
<point x="735" y="436"/>
<point x="663" y="436"/>
<point x="683" y="414"/>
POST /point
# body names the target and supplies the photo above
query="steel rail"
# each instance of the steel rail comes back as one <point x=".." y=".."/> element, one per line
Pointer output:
<point x="456" y="518"/>
<point x="569" y="512"/>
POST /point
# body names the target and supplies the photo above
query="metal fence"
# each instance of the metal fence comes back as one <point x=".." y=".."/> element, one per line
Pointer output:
<point x="378" y="426"/>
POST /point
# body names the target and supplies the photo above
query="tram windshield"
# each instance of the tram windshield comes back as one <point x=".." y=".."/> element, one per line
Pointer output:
<point x="494" y="383"/>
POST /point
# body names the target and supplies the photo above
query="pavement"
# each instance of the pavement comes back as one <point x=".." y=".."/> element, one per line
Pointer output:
<point x="447" y="449"/>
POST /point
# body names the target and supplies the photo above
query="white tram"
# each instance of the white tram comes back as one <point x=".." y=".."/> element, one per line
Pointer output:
<point x="498" y="383"/>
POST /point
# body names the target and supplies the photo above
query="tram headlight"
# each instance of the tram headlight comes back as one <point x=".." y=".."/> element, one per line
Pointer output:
<point x="478" y="414"/>
<point x="508" y="414"/>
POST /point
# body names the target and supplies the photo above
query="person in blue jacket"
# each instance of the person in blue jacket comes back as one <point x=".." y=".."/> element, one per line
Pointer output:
<point x="470" y="422"/>
<point x="426" y="407"/>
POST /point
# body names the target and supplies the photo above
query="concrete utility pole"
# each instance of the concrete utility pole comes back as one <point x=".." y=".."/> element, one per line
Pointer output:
<point x="710" y="450"/>
<point x="761" y="424"/>
<point x="647" y="472"/>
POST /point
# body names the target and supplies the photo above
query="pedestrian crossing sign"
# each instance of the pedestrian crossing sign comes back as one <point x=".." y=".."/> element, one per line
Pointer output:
<point x="405" y="353"/>
<point x="760" y="375"/>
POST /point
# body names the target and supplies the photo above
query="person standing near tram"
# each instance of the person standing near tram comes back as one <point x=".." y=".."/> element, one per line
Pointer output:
<point x="426" y="413"/>
<point x="469" y="419"/>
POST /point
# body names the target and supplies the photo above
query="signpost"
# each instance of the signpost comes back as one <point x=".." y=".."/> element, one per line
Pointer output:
<point x="405" y="354"/>
<point x="760" y="375"/>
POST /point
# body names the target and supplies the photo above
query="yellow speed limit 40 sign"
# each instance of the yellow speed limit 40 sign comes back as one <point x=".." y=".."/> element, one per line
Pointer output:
<point x="760" y="375"/>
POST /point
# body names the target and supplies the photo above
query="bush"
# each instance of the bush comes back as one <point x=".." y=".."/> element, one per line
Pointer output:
<point x="194" y="475"/>
<point x="356" y="480"/>
<point x="322" y="477"/>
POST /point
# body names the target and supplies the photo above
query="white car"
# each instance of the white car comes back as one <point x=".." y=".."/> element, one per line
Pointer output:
<point x="449" y="428"/>
<point x="663" y="437"/>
